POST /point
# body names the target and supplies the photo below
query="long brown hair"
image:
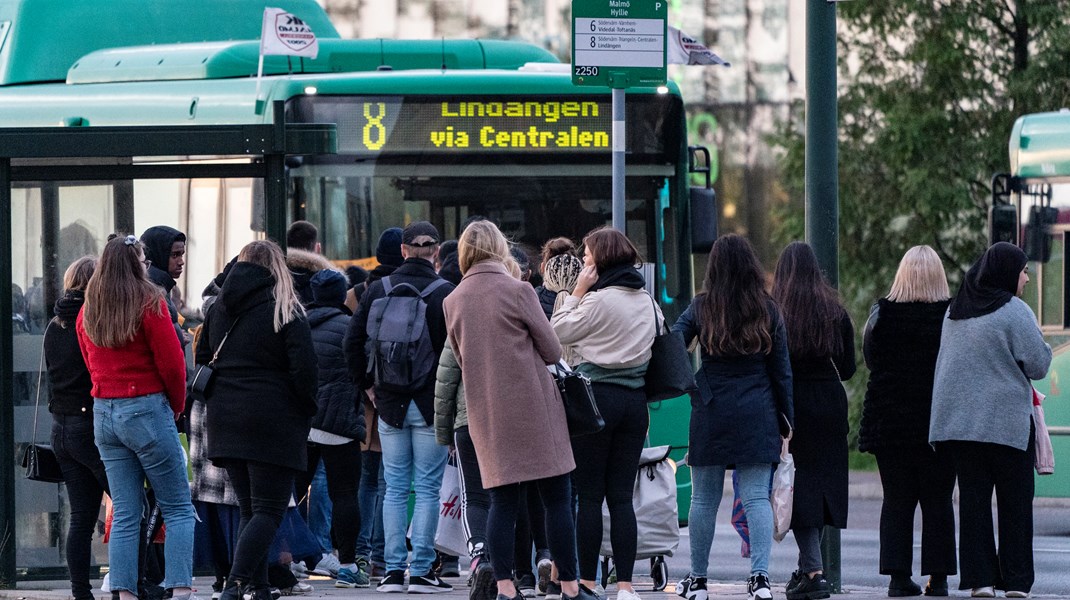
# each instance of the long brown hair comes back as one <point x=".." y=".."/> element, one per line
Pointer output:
<point x="267" y="254"/>
<point x="811" y="307"/>
<point x="118" y="294"/>
<point x="733" y="308"/>
<point x="611" y="249"/>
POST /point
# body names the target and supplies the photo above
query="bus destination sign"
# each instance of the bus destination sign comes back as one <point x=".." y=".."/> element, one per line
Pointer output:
<point x="619" y="43"/>
<point x="375" y="125"/>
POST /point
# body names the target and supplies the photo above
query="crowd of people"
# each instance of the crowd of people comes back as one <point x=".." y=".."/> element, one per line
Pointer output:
<point x="321" y="400"/>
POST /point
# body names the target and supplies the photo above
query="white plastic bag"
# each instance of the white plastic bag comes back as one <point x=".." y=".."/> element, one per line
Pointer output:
<point x="783" y="493"/>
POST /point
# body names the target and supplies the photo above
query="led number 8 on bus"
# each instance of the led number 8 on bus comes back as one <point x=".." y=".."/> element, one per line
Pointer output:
<point x="374" y="126"/>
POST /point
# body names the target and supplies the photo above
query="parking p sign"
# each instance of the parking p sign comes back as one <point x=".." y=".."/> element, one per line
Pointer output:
<point x="619" y="43"/>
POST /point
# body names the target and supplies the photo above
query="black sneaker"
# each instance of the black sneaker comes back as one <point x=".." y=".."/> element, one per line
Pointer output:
<point x="583" y="594"/>
<point x="758" y="588"/>
<point x="692" y="588"/>
<point x="526" y="585"/>
<point x="553" y="591"/>
<point x="902" y="586"/>
<point x="427" y="584"/>
<point x="545" y="565"/>
<point x="392" y="583"/>
<point x="808" y="588"/>
<point x="484" y="587"/>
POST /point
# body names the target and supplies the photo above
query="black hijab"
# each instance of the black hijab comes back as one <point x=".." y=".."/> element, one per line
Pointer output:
<point x="990" y="283"/>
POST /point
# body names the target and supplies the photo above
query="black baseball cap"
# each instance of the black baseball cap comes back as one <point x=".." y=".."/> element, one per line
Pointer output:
<point x="420" y="233"/>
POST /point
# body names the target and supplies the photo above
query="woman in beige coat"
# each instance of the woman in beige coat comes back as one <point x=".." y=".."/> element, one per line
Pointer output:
<point x="515" y="415"/>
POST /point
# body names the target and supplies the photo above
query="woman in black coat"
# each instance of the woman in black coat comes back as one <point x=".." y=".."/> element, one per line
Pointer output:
<point x="260" y="401"/>
<point x="821" y="343"/>
<point x="902" y="340"/>
<point x="742" y="409"/>
<point x="72" y="424"/>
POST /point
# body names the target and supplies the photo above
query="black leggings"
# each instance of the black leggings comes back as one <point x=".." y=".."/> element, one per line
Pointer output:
<point x="263" y="492"/>
<point x="475" y="501"/>
<point x="342" y="465"/>
<point x="83" y="473"/>
<point x="606" y="467"/>
<point x="556" y="495"/>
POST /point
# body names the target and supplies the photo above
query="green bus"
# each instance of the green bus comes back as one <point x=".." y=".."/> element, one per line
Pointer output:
<point x="1031" y="207"/>
<point x="440" y="130"/>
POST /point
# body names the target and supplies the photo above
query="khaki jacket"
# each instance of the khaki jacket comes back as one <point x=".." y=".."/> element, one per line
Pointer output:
<point x="612" y="328"/>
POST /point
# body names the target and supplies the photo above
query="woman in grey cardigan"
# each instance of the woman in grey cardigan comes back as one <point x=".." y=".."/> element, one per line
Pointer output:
<point x="990" y="349"/>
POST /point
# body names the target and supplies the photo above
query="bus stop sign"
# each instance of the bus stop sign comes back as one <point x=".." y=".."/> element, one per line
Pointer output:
<point x="619" y="43"/>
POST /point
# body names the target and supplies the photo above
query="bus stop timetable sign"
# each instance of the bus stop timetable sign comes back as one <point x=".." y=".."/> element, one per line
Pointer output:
<point x="619" y="43"/>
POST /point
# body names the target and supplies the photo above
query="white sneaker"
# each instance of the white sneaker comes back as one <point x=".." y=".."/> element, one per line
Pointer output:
<point x="983" y="592"/>
<point x="299" y="570"/>
<point x="297" y="589"/>
<point x="1017" y="594"/>
<point x="599" y="590"/>
<point x="328" y="565"/>
<point x="627" y="595"/>
<point x="105" y="586"/>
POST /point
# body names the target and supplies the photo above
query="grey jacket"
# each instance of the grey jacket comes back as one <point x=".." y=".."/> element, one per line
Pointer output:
<point x="450" y="411"/>
<point x="982" y="390"/>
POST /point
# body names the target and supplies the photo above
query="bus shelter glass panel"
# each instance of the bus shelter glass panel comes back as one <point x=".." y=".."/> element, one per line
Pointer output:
<point x="53" y="224"/>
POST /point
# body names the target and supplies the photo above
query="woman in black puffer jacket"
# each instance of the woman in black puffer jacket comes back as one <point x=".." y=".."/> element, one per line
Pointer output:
<point x="338" y="427"/>
<point x="72" y="424"/>
<point x="902" y="340"/>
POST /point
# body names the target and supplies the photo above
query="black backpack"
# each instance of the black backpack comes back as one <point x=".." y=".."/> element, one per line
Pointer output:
<point x="400" y="355"/>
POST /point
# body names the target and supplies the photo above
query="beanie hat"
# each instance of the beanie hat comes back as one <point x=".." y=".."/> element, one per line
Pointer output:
<point x="388" y="251"/>
<point x="561" y="273"/>
<point x="329" y="288"/>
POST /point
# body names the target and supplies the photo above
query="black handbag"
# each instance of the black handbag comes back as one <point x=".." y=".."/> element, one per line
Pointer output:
<point x="39" y="460"/>
<point x="202" y="374"/>
<point x="581" y="410"/>
<point x="669" y="374"/>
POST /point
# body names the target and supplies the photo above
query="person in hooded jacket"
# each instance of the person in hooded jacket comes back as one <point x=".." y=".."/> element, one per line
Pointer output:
<point x="260" y="401"/>
<point x="72" y="424"/>
<point x="303" y="257"/>
<point x="165" y="251"/>
<point x="338" y="427"/>
<point x="990" y="349"/>
<point x="902" y="339"/>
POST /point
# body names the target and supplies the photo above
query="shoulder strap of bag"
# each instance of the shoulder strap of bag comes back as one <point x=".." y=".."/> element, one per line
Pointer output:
<point x="657" y="322"/>
<point x="40" y="374"/>
<point x="387" y="285"/>
<point x="215" y="355"/>
<point x="434" y="285"/>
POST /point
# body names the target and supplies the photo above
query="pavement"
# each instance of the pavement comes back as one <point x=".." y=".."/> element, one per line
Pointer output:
<point x="863" y="486"/>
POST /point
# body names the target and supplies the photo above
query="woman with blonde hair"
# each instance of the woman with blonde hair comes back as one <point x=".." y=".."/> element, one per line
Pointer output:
<point x="498" y="331"/>
<point x="901" y="343"/>
<point x="260" y="402"/>
<point x="608" y="325"/>
<point x="138" y="373"/>
<point x="71" y="406"/>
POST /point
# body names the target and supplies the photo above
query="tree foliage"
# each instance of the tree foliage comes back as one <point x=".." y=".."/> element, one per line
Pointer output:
<point x="929" y="91"/>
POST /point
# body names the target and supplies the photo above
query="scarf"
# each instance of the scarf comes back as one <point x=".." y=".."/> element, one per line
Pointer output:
<point x="990" y="283"/>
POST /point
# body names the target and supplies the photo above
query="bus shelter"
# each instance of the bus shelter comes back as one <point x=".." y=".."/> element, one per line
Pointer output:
<point x="68" y="188"/>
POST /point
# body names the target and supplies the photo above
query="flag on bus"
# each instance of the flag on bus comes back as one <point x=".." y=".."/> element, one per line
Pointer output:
<point x="284" y="33"/>
<point x="686" y="50"/>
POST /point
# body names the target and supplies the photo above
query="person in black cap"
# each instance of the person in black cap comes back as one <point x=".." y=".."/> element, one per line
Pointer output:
<point x="411" y="457"/>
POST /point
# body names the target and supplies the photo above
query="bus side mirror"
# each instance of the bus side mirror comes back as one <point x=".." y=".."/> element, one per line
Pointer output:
<point x="703" y="219"/>
<point x="703" y="203"/>
<point x="1038" y="232"/>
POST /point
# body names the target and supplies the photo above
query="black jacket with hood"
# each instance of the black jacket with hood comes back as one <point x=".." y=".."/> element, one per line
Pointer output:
<point x="67" y="374"/>
<point x="263" y="394"/>
<point x="158" y="242"/>
<point x="303" y="265"/>
<point x="341" y="409"/>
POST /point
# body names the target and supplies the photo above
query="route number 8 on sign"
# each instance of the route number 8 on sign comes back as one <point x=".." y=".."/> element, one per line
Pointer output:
<point x="619" y="43"/>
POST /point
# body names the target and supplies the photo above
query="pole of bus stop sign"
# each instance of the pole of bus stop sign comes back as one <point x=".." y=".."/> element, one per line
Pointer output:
<point x="619" y="47"/>
<point x="822" y="184"/>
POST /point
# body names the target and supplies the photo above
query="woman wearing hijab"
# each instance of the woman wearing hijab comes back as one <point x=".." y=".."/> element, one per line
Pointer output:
<point x="990" y="349"/>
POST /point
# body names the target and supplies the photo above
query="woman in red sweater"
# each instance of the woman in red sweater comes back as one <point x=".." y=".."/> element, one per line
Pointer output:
<point x="138" y="372"/>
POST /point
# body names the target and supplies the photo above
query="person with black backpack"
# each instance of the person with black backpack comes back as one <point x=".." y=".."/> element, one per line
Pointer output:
<point x="393" y="346"/>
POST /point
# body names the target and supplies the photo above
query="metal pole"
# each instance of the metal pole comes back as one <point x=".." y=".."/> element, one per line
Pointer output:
<point x="275" y="179"/>
<point x="619" y="222"/>
<point x="7" y="400"/>
<point x="822" y="185"/>
<point x="822" y="181"/>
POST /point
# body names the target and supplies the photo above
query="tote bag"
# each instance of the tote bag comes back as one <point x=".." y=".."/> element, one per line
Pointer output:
<point x="669" y="374"/>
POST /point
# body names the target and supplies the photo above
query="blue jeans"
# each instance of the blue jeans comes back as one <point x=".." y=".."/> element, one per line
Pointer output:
<point x="137" y="438"/>
<point x="372" y="488"/>
<point x="411" y="459"/>
<point x="319" y="508"/>
<point x="707" y="485"/>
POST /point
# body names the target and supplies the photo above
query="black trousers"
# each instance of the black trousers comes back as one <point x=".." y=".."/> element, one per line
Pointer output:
<point x="83" y="474"/>
<point x="475" y="500"/>
<point x="607" y="464"/>
<point x="911" y="476"/>
<point x="342" y="465"/>
<point x="982" y="467"/>
<point x="505" y="501"/>
<point x="263" y="492"/>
